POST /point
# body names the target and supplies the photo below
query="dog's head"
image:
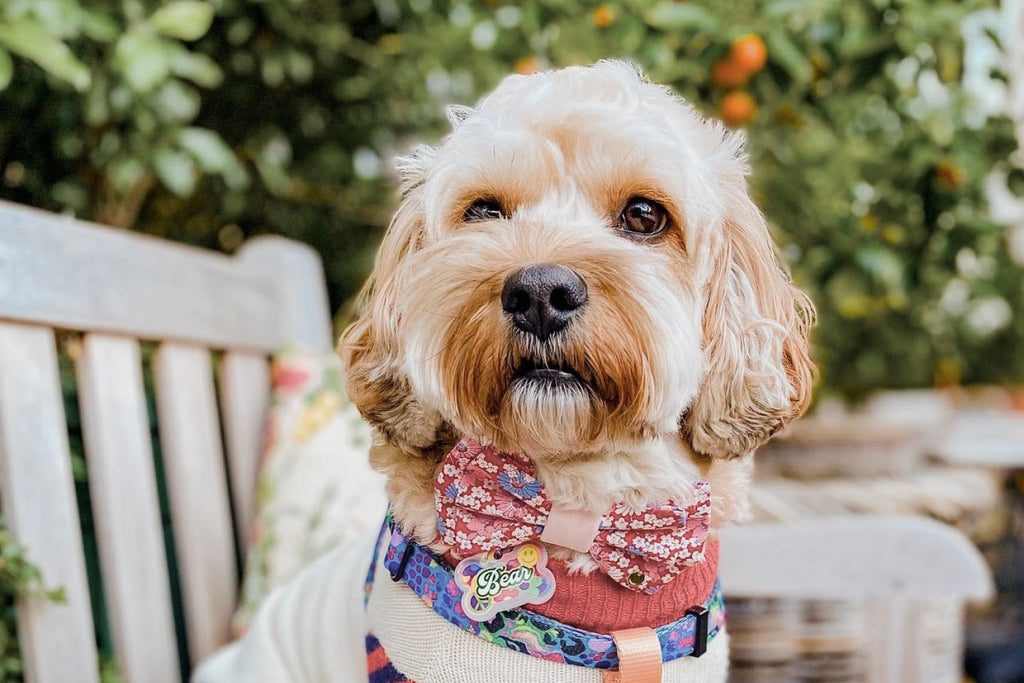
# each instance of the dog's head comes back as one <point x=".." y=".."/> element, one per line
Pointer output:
<point x="579" y="264"/>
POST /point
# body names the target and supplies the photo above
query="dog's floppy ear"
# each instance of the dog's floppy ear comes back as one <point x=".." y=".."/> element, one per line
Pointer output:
<point x="370" y="348"/>
<point x="756" y="325"/>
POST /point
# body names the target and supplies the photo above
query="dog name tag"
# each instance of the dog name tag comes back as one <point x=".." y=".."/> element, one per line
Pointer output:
<point x="504" y="579"/>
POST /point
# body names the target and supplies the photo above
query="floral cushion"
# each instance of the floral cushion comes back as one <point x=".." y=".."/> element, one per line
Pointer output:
<point x="315" y="487"/>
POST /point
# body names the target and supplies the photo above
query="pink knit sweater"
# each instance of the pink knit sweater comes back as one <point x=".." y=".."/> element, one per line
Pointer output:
<point x="596" y="603"/>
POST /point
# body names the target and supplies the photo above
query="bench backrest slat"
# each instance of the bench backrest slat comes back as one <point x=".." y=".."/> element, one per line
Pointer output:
<point x="126" y="510"/>
<point x="72" y="275"/>
<point x="38" y="495"/>
<point x="197" y="487"/>
<point x="244" y="382"/>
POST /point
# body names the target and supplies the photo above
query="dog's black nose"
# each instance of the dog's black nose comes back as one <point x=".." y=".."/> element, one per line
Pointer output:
<point x="542" y="298"/>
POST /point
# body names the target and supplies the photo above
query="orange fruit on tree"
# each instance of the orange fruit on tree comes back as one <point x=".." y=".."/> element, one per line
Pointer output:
<point x="949" y="174"/>
<point x="527" y="65"/>
<point x="749" y="53"/>
<point x="737" y="108"/>
<point x="603" y="16"/>
<point x="725" y="73"/>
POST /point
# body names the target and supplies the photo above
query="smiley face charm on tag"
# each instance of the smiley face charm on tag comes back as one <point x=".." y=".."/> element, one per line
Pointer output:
<point x="504" y="579"/>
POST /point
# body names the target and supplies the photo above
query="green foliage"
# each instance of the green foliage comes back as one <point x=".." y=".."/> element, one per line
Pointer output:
<point x="18" y="578"/>
<point x="209" y="121"/>
<point x="111" y="89"/>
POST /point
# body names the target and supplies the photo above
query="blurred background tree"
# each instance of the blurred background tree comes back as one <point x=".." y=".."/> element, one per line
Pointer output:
<point x="209" y="121"/>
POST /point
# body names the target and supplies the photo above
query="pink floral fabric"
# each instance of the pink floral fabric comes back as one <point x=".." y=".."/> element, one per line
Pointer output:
<point x="490" y="500"/>
<point x="316" y="488"/>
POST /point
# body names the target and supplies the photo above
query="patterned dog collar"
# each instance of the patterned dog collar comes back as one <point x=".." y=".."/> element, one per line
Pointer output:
<point x="531" y="633"/>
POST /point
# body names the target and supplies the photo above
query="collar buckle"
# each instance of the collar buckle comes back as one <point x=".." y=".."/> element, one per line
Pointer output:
<point x="398" y="572"/>
<point x="700" y="634"/>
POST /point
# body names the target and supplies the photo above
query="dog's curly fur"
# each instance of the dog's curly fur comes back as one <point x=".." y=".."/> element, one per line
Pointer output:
<point x="692" y="346"/>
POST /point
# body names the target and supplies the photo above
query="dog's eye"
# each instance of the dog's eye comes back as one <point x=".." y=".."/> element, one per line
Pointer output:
<point x="644" y="217"/>
<point x="484" y="210"/>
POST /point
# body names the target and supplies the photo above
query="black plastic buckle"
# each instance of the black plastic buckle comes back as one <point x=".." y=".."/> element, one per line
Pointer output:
<point x="700" y="631"/>
<point x="399" y="571"/>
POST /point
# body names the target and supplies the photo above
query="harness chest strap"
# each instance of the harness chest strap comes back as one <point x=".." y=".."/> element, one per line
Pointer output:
<point x="639" y="657"/>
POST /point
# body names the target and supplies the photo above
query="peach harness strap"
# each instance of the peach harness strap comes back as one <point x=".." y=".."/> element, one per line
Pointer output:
<point x="639" y="657"/>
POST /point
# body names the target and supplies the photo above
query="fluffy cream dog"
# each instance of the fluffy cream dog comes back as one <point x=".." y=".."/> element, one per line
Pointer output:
<point x="577" y="273"/>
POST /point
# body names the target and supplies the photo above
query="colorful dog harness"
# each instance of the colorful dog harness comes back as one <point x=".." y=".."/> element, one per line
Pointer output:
<point x="522" y="630"/>
<point x="494" y="514"/>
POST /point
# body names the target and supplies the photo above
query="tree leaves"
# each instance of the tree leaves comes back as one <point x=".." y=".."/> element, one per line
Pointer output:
<point x="6" y="69"/>
<point x="18" y="578"/>
<point x="213" y="155"/>
<point x="784" y="51"/>
<point x="176" y="170"/>
<point x="678" y="15"/>
<point x="266" y="117"/>
<point x="197" y="149"/>
<point x="143" y="58"/>
<point x="196" y="67"/>
<point x="31" y="39"/>
<point x="183" y="19"/>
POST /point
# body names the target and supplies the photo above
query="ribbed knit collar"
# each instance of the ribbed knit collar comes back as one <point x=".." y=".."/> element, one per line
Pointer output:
<point x="596" y="603"/>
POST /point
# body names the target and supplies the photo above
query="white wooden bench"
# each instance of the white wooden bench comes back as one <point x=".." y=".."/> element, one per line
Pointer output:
<point x="899" y="568"/>
<point x="119" y="288"/>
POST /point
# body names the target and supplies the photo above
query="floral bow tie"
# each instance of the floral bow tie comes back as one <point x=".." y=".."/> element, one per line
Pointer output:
<point x="487" y="500"/>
